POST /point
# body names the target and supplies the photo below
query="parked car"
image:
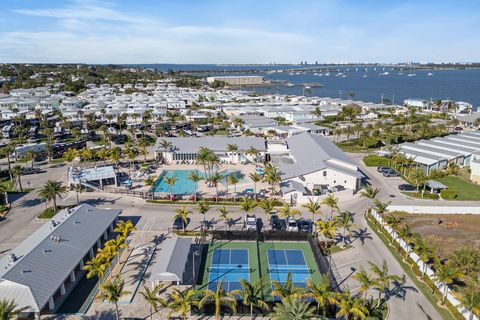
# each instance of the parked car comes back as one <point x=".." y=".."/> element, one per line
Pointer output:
<point x="250" y="222"/>
<point x="381" y="169"/>
<point x="407" y="187"/>
<point x="292" y="225"/>
<point x="390" y="173"/>
<point x="178" y="224"/>
<point x="27" y="171"/>
<point x="338" y="188"/>
<point x="305" y="226"/>
<point x="277" y="224"/>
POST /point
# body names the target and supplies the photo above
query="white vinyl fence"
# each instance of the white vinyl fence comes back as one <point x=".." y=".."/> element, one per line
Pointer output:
<point x="423" y="266"/>
<point x="435" y="209"/>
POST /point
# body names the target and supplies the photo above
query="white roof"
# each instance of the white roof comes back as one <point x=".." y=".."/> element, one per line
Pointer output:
<point x="170" y="261"/>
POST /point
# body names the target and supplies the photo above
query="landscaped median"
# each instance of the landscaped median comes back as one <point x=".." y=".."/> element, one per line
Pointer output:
<point x="421" y="274"/>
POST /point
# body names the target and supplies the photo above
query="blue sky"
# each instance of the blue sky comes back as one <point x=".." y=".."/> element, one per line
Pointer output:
<point x="240" y="31"/>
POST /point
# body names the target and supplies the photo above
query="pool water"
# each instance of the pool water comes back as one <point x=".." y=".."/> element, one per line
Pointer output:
<point x="183" y="185"/>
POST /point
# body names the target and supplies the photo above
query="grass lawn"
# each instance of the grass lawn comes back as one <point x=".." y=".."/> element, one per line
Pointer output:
<point x="47" y="214"/>
<point x="372" y="160"/>
<point x="464" y="189"/>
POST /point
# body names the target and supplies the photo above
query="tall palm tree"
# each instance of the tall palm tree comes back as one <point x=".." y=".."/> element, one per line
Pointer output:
<point x="292" y="308"/>
<point x="253" y="152"/>
<point x="469" y="297"/>
<point x="256" y="178"/>
<point x="124" y="228"/>
<point x="345" y="220"/>
<point x="287" y="211"/>
<point x="171" y="182"/>
<point x="112" y="291"/>
<point x="287" y="289"/>
<point x="327" y="229"/>
<point x="9" y="309"/>
<point x="381" y="207"/>
<point x="220" y="298"/>
<point x="424" y="251"/>
<point x="370" y="193"/>
<point x="203" y="208"/>
<point x="51" y="190"/>
<point x="248" y="205"/>
<point x="332" y="202"/>
<point x="78" y="190"/>
<point x="365" y="280"/>
<point x="7" y="151"/>
<point x="152" y="298"/>
<point x="115" y="154"/>
<point x="181" y="302"/>
<point x="195" y="177"/>
<point x="215" y="180"/>
<point x="224" y="214"/>
<point x="95" y="267"/>
<point x="182" y="213"/>
<point x="383" y="278"/>
<point x="321" y="292"/>
<point x="232" y="149"/>
<point x="272" y="176"/>
<point x="351" y="308"/>
<point x="313" y="207"/>
<point x="17" y="173"/>
<point x="251" y="295"/>
<point x="446" y="273"/>
<point x="70" y="155"/>
<point x="233" y="180"/>
<point x="267" y="205"/>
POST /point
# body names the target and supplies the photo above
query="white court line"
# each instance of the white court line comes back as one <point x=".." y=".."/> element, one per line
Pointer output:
<point x="348" y="263"/>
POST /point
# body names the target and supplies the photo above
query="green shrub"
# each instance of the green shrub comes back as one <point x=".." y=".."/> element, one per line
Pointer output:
<point x="448" y="194"/>
<point x="373" y="160"/>
<point x="47" y="213"/>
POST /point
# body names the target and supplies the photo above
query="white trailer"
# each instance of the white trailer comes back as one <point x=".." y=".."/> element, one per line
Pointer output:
<point x="21" y="151"/>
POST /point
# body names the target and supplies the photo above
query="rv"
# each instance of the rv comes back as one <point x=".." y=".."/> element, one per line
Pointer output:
<point x="7" y="131"/>
<point x="21" y="151"/>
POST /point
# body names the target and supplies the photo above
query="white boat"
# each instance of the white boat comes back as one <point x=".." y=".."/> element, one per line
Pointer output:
<point x="291" y="73"/>
<point x="327" y="74"/>
<point x="307" y="87"/>
<point x="288" y="84"/>
<point x="384" y="74"/>
<point x="356" y="69"/>
<point x="411" y="75"/>
<point x="400" y="73"/>
<point x="364" y="76"/>
<point x="344" y="76"/>
<point x="429" y="74"/>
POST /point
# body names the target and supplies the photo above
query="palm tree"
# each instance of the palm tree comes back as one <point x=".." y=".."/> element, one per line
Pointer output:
<point x="424" y="251"/>
<point x="253" y="152"/>
<point x="331" y="202"/>
<point x="272" y="176"/>
<point x="95" y="267"/>
<point x="466" y="259"/>
<point x="383" y="278"/>
<point x="171" y="182"/>
<point x="31" y="156"/>
<point x="292" y="308"/>
<point x="469" y="297"/>
<point x="232" y="149"/>
<point x="182" y="213"/>
<point x="328" y="229"/>
<point x="351" y="308"/>
<point x="321" y="292"/>
<point x="143" y="144"/>
<point x="256" y="178"/>
<point x="51" y="190"/>
<point x="313" y="207"/>
<point x="112" y="291"/>
<point x="224" y="214"/>
<point x="288" y="289"/>
<point x="115" y="154"/>
<point x="381" y="207"/>
<point x="70" y="155"/>
<point x="365" y="279"/>
<point x="233" y="180"/>
<point x="203" y="208"/>
<point x="248" y="205"/>
<point x="267" y="205"/>
<point x="152" y="298"/>
<point x="124" y="227"/>
<point x="370" y="193"/>
<point x="7" y="151"/>
<point x="78" y="190"/>
<point x="251" y="295"/>
<point x="420" y="178"/>
<point x="9" y="310"/>
<point x="181" y="302"/>
<point x="215" y="179"/>
<point x="446" y="273"/>
<point x="17" y="173"/>
<point x="345" y="220"/>
<point x="287" y="211"/>
<point x="195" y="177"/>
<point x="220" y="297"/>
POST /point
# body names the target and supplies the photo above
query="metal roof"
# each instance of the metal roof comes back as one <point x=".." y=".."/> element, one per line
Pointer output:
<point x="431" y="150"/>
<point x="43" y="262"/>
<point x="311" y="153"/>
<point x="75" y="175"/>
<point x="170" y="261"/>
<point x="441" y="146"/>
<point x="290" y="185"/>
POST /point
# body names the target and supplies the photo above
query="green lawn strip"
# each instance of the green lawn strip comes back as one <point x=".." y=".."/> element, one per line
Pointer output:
<point x="418" y="195"/>
<point x="426" y="291"/>
<point x="372" y="160"/>
<point x="47" y="214"/>
<point x="464" y="190"/>
<point x="336" y="248"/>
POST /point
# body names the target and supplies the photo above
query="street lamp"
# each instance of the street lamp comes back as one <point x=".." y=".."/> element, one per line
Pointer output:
<point x="195" y="254"/>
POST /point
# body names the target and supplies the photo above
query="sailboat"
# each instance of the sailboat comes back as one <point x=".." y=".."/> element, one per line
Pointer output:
<point x="429" y="74"/>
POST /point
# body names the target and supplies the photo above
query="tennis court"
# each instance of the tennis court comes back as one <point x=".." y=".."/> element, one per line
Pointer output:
<point x="281" y="262"/>
<point x="228" y="266"/>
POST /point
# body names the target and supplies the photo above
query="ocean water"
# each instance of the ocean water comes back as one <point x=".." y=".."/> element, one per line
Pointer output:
<point x="459" y="85"/>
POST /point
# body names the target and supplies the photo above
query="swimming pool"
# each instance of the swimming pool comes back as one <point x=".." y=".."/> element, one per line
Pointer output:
<point x="183" y="185"/>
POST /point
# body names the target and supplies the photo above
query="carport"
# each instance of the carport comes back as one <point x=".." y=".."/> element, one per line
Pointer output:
<point x="435" y="186"/>
<point x="170" y="261"/>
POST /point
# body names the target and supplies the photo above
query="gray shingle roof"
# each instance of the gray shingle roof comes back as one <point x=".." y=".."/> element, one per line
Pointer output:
<point x="43" y="264"/>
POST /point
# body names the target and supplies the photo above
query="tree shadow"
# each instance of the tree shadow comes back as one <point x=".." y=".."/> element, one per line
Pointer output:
<point x="30" y="203"/>
<point x="399" y="289"/>
<point x="362" y="235"/>
<point x="101" y="201"/>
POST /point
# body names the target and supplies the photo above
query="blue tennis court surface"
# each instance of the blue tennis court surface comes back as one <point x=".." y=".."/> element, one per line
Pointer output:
<point x="228" y="266"/>
<point x="284" y="261"/>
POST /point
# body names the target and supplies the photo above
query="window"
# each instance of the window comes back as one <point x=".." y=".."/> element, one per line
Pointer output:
<point x="325" y="173"/>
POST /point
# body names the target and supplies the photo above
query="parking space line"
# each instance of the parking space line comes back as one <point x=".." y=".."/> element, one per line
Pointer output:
<point x="348" y="263"/>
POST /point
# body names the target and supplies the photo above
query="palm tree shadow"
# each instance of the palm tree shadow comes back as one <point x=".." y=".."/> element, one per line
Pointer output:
<point x="361" y="234"/>
<point x="399" y="289"/>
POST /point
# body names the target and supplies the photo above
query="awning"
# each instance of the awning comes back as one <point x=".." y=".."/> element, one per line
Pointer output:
<point x="170" y="260"/>
<point x="432" y="184"/>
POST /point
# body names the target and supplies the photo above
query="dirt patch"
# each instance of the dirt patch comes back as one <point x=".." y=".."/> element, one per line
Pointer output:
<point x="446" y="232"/>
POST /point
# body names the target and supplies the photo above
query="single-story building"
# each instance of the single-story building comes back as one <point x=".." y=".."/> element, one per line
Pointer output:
<point x="94" y="178"/>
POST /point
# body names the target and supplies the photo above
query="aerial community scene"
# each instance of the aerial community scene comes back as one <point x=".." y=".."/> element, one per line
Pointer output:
<point x="282" y="160"/>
